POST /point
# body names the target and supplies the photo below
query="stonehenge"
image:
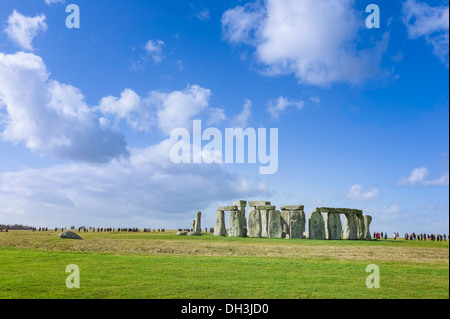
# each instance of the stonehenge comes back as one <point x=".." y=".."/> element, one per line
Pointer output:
<point x="196" y="225"/>
<point x="264" y="220"/>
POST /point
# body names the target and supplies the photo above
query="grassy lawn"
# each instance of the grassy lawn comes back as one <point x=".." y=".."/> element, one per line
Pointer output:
<point x="162" y="265"/>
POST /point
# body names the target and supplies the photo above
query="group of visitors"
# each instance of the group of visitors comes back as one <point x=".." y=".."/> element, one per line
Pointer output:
<point x="412" y="236"/>
<point x="1" y="230"/>
<point x="382" y="235"/>
<point x="426" y="237"/>
<point x="33" y="229"/>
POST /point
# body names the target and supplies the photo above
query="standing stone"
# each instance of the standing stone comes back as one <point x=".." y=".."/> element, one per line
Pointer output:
<point x="274" y="224"/>
<point x="241" y="204"/>
<point x="254" y="223"/>
<point x="316" y="225"/>
<point x="235" y="224"/>
<point x="361" y="230"/>
<point x="350" y="230"/>
<point x="198" y="223"/>
<point x="219" y="227"/>
<point x="285" y="223"/>
<point x="333" y="226"/>
<point x="367" y="221"/>
<point x="264" y="223"/>
<point x="297" y="225"/>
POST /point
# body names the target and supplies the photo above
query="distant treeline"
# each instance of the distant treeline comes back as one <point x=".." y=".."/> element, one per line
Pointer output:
<point x="15" y="227"/>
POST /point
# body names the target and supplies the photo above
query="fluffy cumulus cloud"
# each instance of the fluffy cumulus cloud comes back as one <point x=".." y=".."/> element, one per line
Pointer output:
<point x="50" y="117"/>
<point x="315" y="40"/>
<point x="432" y="23"/>
<point x="356" y="193"/>
<point x="176" y="109"/>
<point x="130" y="107"/>
<point x="421" y="177"/>
<point x="22" y="29"/>
<point x="166" y="110"/>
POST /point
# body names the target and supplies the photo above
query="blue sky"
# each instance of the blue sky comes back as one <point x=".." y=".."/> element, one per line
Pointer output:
<point x="85" y="114"/>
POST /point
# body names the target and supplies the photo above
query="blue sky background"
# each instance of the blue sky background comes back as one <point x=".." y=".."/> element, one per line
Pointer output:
<point x="377" y="141"/>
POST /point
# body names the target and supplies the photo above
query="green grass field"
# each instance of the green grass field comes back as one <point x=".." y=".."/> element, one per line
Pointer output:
<point x="163" y="265"/>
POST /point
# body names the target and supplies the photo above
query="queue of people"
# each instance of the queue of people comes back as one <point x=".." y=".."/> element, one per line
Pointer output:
<point x="412" y="236"/>
<point x="426" y="237"/>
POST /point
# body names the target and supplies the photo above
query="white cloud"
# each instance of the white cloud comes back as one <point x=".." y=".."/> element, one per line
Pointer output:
<point x="49" y="2"/>
<point x="50" y="117"/>
<point x="356" y="193"/>
<point x="165" y="110"/>
<point x="154" y="48"/>
<point x="241" y="120"/>
<point x="315" y="40"/>
<point x="422" y="20"/>
<point x="147" y="187"/>
<point x="129" y="106"/>
<point x="315" y="100"/>
<point x="239" y="24"/>
<point x="216" y="116"/>
<point x="276" y="107"/>
<point x="23" y="30"/>
<point x="203" y="15"/>
<point x="177" y="108"/>
<point x="394" y="208"/>
<point x="420" y="176"/>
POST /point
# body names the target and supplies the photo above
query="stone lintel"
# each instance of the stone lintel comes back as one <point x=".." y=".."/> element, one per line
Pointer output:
<point x="266" y="207"/>
<point x="258" y="203"/>
<point x="339" y="210"/>
<point x="227" y="208"/>
<point x="293" y="208"/>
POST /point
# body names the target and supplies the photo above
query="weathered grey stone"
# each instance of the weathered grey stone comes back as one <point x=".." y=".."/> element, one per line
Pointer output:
<point x="219" y="227"/>
<point x="350" y="230"/>
<point x="235" y="224"/>
<point x="241" y="208"/>
<point x="297" y="225"/>
<point x="228" y="208"/>
<point x="367" y="221"/>
<point x="258" y="203"/>
<point x="182" y="233"/>
<point x="264" y="223"/>
<point x="285" y="223"/>
<point x="254" y="223"/>
<point x="316" y="225"/>
<point x="293" y="207"/>
<point x="361" y="230"/>
<point x="274" y="225"/>
<point x="69" y="235"/>
<point x="198" y="223"/>
<point x="241" y="203"/>
<point x="340" y="210"/>
<point x="266" y="207"/>
<point x="333" y="226"/>
<point x="193" y="233"/>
